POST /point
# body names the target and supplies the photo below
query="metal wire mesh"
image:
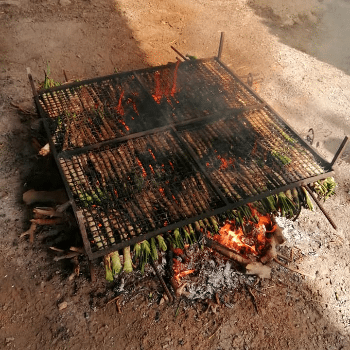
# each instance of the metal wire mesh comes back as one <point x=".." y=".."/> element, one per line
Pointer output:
<point x="116" y="106"/>
<point x="130" y="180"/>
<point x="251" y="153"/>
<point x="136" y="187"/>
<point x="98" y="111"/>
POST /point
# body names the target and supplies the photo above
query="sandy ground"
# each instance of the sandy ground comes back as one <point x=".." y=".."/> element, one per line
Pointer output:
<point x="300" y="54"/>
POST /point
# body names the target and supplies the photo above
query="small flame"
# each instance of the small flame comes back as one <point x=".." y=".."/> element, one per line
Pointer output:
<point x="165" y="86"/>
<point x="157" y="96"/>
<point x="233" y="237"/>
<point x="121" y="121"/>
<point x="120" y="108"/>
<point x="153" y="156"/>
<point x="173" y="89"/>
<point x="144" y="174"/>
<point x="180" y="270"/>
<point x="151" y="167"/>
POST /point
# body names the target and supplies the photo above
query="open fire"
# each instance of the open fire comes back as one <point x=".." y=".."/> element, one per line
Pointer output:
<point x="251" y="244"/>
<point x="156" y="159"/>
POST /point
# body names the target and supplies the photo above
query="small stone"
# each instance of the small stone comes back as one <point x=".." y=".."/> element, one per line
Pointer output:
<point x="8" y="340"/>
<point x="62" y="305"/>
<point x="64" y="2"/>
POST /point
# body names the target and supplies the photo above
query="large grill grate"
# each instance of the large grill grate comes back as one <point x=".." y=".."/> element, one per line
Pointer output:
<point x="145" y="152"/>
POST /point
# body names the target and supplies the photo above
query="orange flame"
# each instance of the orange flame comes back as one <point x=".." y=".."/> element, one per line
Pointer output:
<point x="180" y="270"/>
<point x="144" y="174"/>
<point x="153" y="156"/>
<point x="173" y="89"/>
<point x="157" y="96"/>
<point x="120" y="108"/>
<point x="165" y="87"/>
<point x="253" y="242"/>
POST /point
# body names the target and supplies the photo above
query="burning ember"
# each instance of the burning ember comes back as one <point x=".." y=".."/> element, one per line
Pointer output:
<point x="252" y="242"/>
<point x="165" y="86"/>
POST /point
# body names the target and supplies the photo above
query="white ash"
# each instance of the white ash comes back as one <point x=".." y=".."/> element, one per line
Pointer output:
<point x="212" y="279"/>
<point x="309" y="242"/>
<point x="214" y="274"/>
<point x="127" y="282"/>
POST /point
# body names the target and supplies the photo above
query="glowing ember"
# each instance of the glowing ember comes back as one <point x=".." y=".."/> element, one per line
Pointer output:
<point x="157" y="96"/>
<point x="144" y="174"/>
<point x="151" y="167"/>
<point x="165" y="87"/>
<point x="180" y="270"/>
<point x="121" y="121"/>
<point x="225" y="163"/>
<point x="153" y="156"/>
<point x="253" y="242"/>
<point x="120" y="108"/>
<point x="173" y="89"/>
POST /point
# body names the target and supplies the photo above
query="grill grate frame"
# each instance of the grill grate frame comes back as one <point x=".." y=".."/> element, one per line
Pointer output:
<point x="111" y="135"/>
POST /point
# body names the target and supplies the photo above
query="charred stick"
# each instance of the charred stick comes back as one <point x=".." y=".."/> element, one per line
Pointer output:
<point x="226" y="252"/>
<point x="170" y="297"/>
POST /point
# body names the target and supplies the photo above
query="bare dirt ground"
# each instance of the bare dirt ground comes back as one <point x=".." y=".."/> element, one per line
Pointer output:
<point x="303" y="77"/>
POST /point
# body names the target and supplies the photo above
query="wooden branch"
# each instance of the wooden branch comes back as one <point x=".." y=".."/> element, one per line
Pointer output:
<point x="226" y="252"/>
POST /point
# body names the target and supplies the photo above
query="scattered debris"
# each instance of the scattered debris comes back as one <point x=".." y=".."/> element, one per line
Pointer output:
<point x="62" y="306"/>
<point x="32" y="196"/>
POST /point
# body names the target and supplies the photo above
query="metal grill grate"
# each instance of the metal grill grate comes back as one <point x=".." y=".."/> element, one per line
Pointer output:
<point x="250" y="154"/>
<point x="86" y="113"/>
<point x="135" y="187"/>
<point x="145" y="152"/>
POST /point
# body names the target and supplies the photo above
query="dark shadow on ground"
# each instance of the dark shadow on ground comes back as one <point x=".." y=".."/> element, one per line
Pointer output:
<point x="318" y="28"/>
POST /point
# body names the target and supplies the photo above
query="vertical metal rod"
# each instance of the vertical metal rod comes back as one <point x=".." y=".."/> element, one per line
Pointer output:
<point x="31" y="81"/>
<point x="340" y="150"/>
<point x="320" y="206"/>
<point x="222" y="37"/>
<point x="162" y="282"/>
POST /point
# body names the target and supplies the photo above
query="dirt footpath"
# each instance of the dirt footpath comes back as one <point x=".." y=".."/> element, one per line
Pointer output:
<point x="301" y="79"/>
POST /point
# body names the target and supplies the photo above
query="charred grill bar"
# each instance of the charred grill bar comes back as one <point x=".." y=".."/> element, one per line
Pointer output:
<point x="145" y="152"/>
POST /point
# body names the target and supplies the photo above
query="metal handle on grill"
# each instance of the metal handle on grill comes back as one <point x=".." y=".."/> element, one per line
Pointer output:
<point x="222" y="37"/>
<point x="340" y="150"/>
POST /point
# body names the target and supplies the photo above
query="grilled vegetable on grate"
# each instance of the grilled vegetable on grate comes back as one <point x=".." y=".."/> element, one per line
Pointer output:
<point x="116" y="264"/>
<point x="108" y="268"/>
<point x="325" y="188"/>
<point x="307" y="200"/>
<point x="145" y="253"/>
<point x="161" y="243"/>
<point x="127" y="260"/>
<point x="154" y="252"/>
